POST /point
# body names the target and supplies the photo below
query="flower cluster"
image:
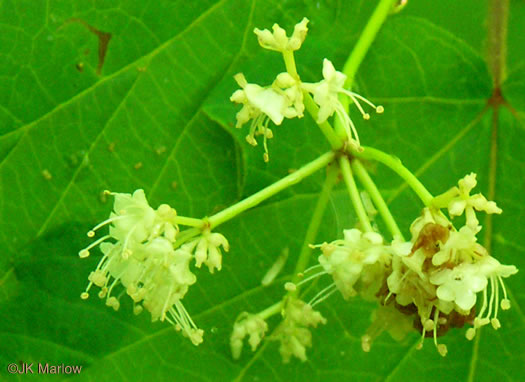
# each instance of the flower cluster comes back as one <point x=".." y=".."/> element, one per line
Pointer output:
<point x="293" y="332"/>
<point x="358" y="261"/>
<point x="433" y="280"/>
<point x="147" y="262"/>
<point x="247" y="325"/>
<point x="284" y="97"/>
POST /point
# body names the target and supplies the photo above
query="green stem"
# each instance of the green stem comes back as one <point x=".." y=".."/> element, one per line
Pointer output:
<point x="359" y="52"/>
<point x="271" y="190"/>
<point x="344" y="164"/>
<point x="366" y="39"/>
<point x="271" y="310"/>
<point x="186" y="235"/>
<point x="311" y="107"/>
<point x="191" y="222"/>
<point x="396" y="165"/>
<point x="315" y="223"/>
<point x="289" y="62"/>
<point x="325" y="127"/>
<point x="377" y="198"/>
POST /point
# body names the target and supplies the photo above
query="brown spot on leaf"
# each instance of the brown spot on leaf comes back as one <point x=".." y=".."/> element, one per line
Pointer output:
<point x="80" y="67"/>
<point x="137" y="166"/>
<point x="103" y="40"/>
<point x="111" y="147"/>
<point x="174" y="185"/>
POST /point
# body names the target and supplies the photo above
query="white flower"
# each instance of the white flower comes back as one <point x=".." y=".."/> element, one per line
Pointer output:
<point x="260" y="104"/>
<point x="293" y="333"/>
<point x="326" y="95"/>
<point x="345" y="259"/>
<point x="460" y="246"/>
<point x="144" y="263"/>
<point x="492" y="269"/>
<point x="459" y="200"/>
<point x="278" y="40"/>
<point x="207" y="250"/>
<point x="247" y="325"/>
<point x="459" y="284"/>
<point x="291" y="89"/>
<point x="429" y="215"/>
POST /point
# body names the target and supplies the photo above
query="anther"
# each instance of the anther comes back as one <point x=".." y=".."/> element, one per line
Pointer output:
<point x="442" y="349"/>
<point x="471" y="333"/>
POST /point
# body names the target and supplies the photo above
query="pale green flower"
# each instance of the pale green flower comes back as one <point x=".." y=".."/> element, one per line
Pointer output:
<point x="345" y="259"/>
<point x="492" y="269"/>
<point x="326" y="95"/>
<point x="293" y="333"/>
<point x="278" y="41"/>
<point x="459" y="284"/>
<point x="458" y="200"/>
<point x="207" y="250"/>
<point x="250" y="325"/>
<point x="143" y="262"/>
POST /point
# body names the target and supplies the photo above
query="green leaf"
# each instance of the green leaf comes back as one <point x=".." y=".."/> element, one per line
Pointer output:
<point x="152" y="111"/>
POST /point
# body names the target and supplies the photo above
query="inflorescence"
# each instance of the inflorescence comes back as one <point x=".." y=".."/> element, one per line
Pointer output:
<point x="142" y="257"/>
<point x="430" y="283"/>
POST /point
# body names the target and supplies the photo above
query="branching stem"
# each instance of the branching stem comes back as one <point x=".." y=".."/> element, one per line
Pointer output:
<point x="271" y="190"/>
<point x="348" y="177"/>
<point x="377" y="198"/>
<point x="395" y="164"/>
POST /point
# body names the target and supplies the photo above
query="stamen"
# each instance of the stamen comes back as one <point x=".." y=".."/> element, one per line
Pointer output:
<point x="429" y="325"/>
<point x="103" y="292"/>
<point x="85" y="252"/>
<point x="505" y="303"/>
<point x="489" y="313"/>
<point x="471" y="333"/>
<point x="114" y="283"/>
<point x="313" y="266"/>
<point x="311" y="277"/>
<point x="379" y="109"/>
<point x="484" y="306"/>
<point x="137" y="309"/>
<point x="347" y="121"/>
<point x="265" y="140"/>
<point x="125" y="252"/>
<point x="105" y="222"/>
<point x="164" y="308"/>
<point x="441" y="348"/>
<point x="329" y="290"/>
<point x="496" y="304"/>
<point x="357" y="104"/>
<point x="113" y="302"/>
<point x="495" y="323"/>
